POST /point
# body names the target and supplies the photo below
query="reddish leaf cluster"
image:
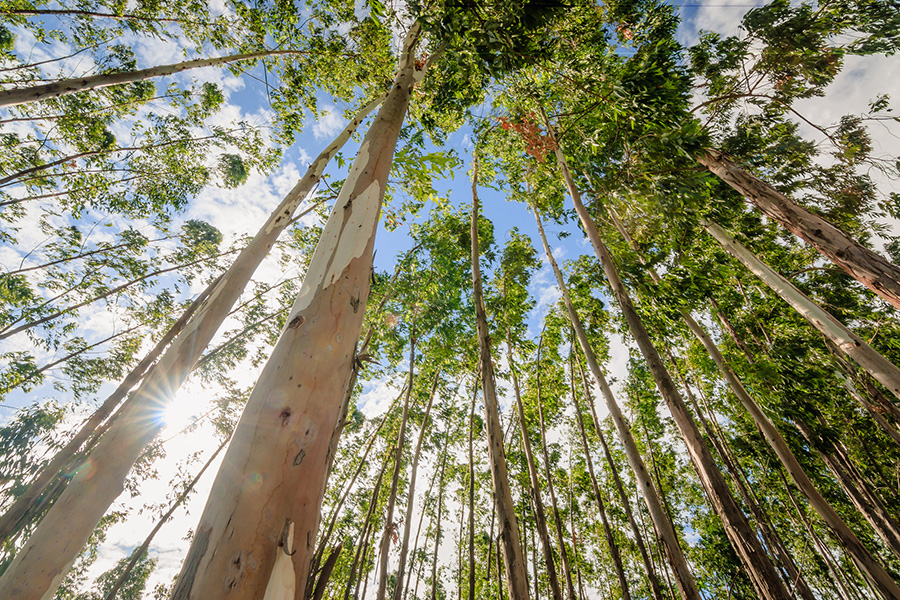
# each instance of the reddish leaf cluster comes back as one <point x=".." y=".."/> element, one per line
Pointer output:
<point x="420" y="62"/>
<point x="537" y="144"/>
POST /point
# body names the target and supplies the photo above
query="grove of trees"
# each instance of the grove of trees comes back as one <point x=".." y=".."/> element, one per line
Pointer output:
<point x="491" y="299"/>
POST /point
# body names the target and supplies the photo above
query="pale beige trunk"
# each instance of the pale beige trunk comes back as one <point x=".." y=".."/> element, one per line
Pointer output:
<point x="92" y="82"/>
<point x="41" y="564"/>
<point x="395" y="476"/>
<point x="257" y="533"/>
<point x="748" y="548"/>
<point x="872" y="270"/>
<point x="539" y="514"/>
<point x="663" y="525"/>
<point x="514" y="559"/>
<point x="848" y="342"/>
<point x="11" y="521"/>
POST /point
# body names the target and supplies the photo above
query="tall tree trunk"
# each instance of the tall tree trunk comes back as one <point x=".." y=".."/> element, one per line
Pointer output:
<point x="413" y="561"/>
<point x="284" y="434"/>
<point x="869" y="268"/>
<point x="389" y="527"/>
<point x="848" y="342"/>
<point x="509" y="528"/>
<point x="868" y="505"/>
<point x="649" y="569"/>
<point x="861" y="556"/>
<point x="846" y="375"/>
<point x="43" y="561"/>
<point x="363" y="545"/>
<point x="560" y="538"/>
<point x="142" y="549"/>
<point x="794" y="577"/>
<point x="51" y="471"/>
<point x="471" y="586"/>
<point x="437" y="533"/>
<point x="325" y="573"/>
<point x="748" y="548"/>
<point x="93" y="82"/>
<point x="535" y="492"/>
<point x="601" y="505"/>
<point x="411" y="491"/>
<point x="661" y="521"/>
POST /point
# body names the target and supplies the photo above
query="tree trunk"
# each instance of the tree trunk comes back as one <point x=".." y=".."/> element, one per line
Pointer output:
<point x="601" y="505"/>
<point x="563" y="554"/>
<point x="773" y="540"/>
<point x="415" y="545"/>
<point x="869" y="268"/>
<point x="848" y="342"/>
<point x="748" y="548"/>
<point x="52" y="470"/>
<point x="140" y="550"/>
<point x="285" y="431"/>
<point x="539" y="515"/>
<point x="663" y="525"/>
<point x="395" y="478"/>
<point x="437" y="533"/>
<point x="42" y="562"/>
<point x="471" y="590"/>
<point x="411" y="493"/>
<point x="509" y="529"/>
<point x="362" y="546"/>
<point x="325" y="573"/>
<point x="92" y="82"/>
<point x="649" y="569"/>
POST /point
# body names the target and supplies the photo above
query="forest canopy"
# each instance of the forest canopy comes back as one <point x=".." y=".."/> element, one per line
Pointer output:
<point x="439" y="299"/>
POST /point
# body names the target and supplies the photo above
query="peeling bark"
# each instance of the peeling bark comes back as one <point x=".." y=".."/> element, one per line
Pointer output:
<point x="275" y="468"/>
<point x="869" y="268"/>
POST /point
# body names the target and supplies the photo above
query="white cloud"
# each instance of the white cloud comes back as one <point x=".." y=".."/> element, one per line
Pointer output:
<point x="329" y="124"/>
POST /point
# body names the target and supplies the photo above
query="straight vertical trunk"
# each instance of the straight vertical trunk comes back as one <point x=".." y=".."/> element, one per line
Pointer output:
<point x="748" y="548"/>
<point x="563" y="554"/>
<point x="437" y="533"/>
<point x="471" y="590"/>
<point x="601" y="505"/>
<point x="43" y="561"/>
<point x="411" y="492"/>
<point x="539" y="515"/>
<point x="362" y="546"/>
<point x="649" y="569"/>
<point x="661" y="521"/>
<point x="257" y="535"/>
<point x="509" y="528"/>
<point x="869" y="268"/>
<point x="395" y="479"/>
<point x="848" y="342"/>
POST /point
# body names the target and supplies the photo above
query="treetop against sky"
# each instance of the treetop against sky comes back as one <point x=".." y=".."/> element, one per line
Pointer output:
<point x="121" y="205"/>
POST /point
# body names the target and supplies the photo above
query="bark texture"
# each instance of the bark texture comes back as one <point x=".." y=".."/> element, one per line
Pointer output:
<point x="259" y="526"/>
<point x="869" y="268"/>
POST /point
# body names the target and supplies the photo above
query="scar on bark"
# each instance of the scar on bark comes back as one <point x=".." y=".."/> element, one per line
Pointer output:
<point x="296" y="322"/>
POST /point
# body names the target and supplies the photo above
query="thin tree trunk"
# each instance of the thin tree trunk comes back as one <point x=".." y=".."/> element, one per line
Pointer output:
<point x="325" y="573"/>
<point x="72" y="448"/>
<point x="748" y="548"/>
<point x="661" y="521"/>
<point x="535" y="491"/>
<point x="572" y="519"/>
<point x="142" y="549"/>
<point x="362" y="546"/>
<point x="869" y="268"/>
<point x="733" y="467"/>
<point x="70" y="86"/>
<point x="649" y="569"/>
<point x="415" y="545"/>
<point x="845" y="374"/>
<point x="509" y="530"/>
<point x="563" y="554"/>
<point x="848" y="342"/>
<point x="437" y="533"/>
<point x="43" y="561"/>
<point x="411" y="492"/>
<point x="601" y="505"/>
<point x="395" y="478"/>
<point x="285" y="431"/>
<point x="471" y="590"/>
